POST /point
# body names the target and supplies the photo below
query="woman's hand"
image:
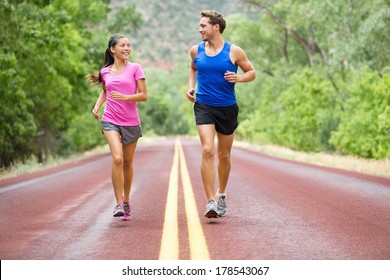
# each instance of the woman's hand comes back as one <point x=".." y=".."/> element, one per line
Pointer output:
<point x="118" y="96"/>
<point x="95" y="113"/>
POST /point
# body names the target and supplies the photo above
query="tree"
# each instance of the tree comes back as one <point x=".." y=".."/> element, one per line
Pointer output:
<point x="42" y="73"/>
<point x="321" y="45"/>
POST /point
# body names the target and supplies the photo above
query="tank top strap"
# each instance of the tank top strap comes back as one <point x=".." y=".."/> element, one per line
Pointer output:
<point x="226" y="47"/>
<point x="201" y="47"/>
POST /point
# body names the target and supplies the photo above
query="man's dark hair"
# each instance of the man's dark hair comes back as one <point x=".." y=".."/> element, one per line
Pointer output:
<point x="215" y="18"/>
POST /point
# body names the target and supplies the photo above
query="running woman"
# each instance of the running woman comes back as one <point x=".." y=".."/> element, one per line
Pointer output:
<point x="214" y="64"/>
<point x="123" y="84"/>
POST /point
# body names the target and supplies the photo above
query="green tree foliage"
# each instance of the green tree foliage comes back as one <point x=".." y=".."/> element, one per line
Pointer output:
<point x="336" y="33"/>
<point x="364" y="128"/>
<point x="171" y="26"/>
<point x="45" y="54"/>
<point x="126" y="19"/>
<point x="314" y="91"/>
<point x="310" y="57"/>
<point x="17" y="125"/>
<point x="322" y="83"/>
<point x="299" y="117"/>
<point x="163" y="113"/>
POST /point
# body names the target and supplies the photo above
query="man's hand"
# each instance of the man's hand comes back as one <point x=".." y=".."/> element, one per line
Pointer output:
<point x="231" y="77"/>
<point x="190" y="95"/>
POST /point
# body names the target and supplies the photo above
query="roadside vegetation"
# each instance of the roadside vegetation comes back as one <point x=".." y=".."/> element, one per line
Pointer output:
<point x="323" y="83"/>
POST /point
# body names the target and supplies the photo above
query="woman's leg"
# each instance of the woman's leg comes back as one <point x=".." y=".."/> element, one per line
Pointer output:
<point x="114" y="141"/>
<point x="128" y="155"/>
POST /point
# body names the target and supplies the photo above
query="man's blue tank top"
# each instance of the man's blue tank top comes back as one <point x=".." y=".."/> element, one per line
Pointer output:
<point x="213" y="89"/>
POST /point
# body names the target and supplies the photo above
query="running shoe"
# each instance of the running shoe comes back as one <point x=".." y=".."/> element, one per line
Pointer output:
<point x="221" y="205"/>
<point x="118" y="211"/>
<point x="211" y="210"/>
<point x="127" y="212"/>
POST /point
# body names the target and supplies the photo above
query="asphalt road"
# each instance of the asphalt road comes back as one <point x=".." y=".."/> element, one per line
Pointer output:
<point x="277" y="210"/>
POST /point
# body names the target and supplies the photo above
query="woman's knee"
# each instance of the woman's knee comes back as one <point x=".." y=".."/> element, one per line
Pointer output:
<point x="117" y="160"/>
<point x="128" y="163"/>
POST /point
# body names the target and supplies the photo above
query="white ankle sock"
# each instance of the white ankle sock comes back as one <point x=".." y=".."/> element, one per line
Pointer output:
<point x="218" y="194"/>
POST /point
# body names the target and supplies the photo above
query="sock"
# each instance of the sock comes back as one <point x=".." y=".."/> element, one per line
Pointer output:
<point x="218" y="194"/>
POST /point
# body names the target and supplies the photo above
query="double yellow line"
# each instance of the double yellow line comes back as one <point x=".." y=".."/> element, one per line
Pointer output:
<point x="170" y="238"/>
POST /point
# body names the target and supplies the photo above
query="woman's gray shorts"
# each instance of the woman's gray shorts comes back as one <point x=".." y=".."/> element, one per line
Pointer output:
<point x="129" y="134"/>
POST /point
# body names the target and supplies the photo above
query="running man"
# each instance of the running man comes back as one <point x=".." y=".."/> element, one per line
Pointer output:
<point x="214" y="64"/>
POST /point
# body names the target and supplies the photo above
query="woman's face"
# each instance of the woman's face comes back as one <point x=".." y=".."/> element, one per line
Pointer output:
<point x="122" y="49"/>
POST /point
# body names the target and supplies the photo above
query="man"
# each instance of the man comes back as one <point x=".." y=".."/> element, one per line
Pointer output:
<point x="214" y="64"/>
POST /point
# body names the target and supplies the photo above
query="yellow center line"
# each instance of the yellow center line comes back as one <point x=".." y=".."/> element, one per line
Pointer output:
<point x="198" y="245"/>
<point x="170" y="238"/>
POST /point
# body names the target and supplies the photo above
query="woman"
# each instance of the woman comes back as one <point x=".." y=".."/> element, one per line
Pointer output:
<point x="123" y="84"/>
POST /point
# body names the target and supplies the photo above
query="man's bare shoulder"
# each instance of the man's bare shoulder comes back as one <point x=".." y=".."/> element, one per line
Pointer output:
<point x="193" y="51"/>
<point x="237" y="54"/>
<point x="236" y="50"/>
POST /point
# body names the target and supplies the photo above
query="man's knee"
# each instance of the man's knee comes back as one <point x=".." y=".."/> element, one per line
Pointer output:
<point x="224" y="158"/>
<point x="208" y="152"/>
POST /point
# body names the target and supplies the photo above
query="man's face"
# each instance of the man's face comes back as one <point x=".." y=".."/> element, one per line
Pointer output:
<point x="206" y="29"/>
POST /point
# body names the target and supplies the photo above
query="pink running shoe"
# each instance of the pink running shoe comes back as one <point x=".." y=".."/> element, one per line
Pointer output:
<point x="127" y="212"/>
<point x="118" y="211"/>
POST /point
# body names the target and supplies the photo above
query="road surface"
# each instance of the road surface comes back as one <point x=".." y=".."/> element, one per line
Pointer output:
<point x="277" y="210"/>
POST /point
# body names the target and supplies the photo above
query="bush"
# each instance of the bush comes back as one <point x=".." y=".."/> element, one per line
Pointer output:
<point x="364" y="128"/>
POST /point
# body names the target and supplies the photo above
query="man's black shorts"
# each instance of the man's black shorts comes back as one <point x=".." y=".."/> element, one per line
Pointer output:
<point x="225" y="119"/>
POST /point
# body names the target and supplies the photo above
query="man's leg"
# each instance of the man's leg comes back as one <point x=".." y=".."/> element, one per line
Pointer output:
<point x="225" y="143"/>
<point x="206" y="135"/>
